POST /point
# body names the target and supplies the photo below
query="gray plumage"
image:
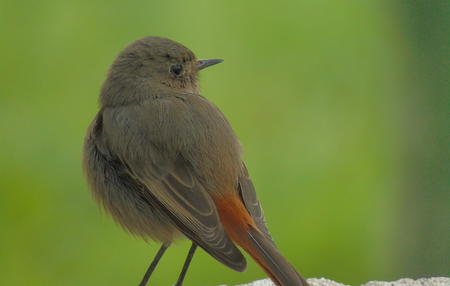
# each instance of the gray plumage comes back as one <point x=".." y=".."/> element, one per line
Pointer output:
<point x="157" y="153"/>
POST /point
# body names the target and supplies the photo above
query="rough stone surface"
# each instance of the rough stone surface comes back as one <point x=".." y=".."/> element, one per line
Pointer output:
<point x="434" y="281"/>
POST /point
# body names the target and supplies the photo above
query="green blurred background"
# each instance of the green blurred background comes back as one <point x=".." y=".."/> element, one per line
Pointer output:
<point x="342" y="108"/>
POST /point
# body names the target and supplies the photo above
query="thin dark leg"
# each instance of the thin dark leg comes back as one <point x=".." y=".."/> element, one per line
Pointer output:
<point x="186" y="264"/>
<point x="155" y="261"/>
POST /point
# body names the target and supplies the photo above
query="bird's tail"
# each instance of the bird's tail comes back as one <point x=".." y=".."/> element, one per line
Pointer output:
<point x="270" y="259"/>
<point x="242" y="229"/>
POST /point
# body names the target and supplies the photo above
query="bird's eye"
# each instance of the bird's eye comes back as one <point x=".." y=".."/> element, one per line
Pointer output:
<point x="176" y="69"/>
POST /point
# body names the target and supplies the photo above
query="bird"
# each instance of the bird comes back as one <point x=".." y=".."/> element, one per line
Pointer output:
<point x="165" y="163"/>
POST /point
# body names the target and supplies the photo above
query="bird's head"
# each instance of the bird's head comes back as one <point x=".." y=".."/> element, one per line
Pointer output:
<point x="153" y="62"/>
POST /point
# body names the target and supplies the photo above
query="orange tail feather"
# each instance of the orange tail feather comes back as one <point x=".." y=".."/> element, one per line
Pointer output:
<point x="242" y="229"/>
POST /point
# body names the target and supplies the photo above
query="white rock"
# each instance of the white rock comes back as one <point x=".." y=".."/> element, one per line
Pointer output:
<point x="433" y="281"/>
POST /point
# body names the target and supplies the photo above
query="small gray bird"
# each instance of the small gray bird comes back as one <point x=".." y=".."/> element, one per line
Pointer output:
<point x="165" y="162"/>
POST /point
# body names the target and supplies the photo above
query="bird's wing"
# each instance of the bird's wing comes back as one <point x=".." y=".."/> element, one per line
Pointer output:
<point x="251" y="202"/>
<point x="191" y="208"/>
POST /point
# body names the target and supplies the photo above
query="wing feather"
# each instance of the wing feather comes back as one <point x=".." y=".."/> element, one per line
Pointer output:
<point x="251" y="202"/>
<point x="185" y="200"/>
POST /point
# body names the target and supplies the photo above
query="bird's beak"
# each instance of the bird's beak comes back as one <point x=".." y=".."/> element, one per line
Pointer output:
<point x="201" y="64"/>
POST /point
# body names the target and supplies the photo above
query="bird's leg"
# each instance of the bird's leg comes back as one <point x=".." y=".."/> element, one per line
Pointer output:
<point x="155" y="261"/>
<point x="186" y="264"/>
